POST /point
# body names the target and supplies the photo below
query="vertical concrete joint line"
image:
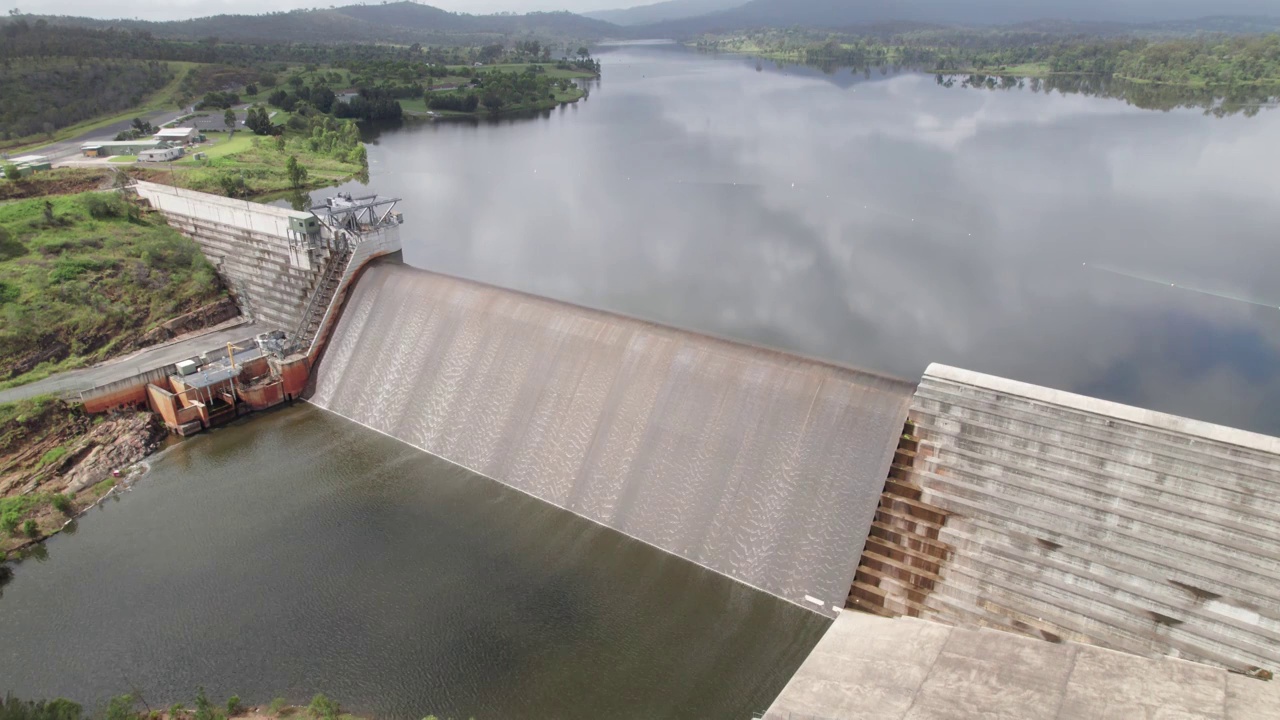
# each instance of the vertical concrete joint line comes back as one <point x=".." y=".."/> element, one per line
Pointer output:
<point x="1066" y="681"/>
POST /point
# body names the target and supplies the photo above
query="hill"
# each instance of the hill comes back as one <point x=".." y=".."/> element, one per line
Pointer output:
<point x="839" y="14"/>
<point x="663" y="11"/>
<point x="398" y="22"/>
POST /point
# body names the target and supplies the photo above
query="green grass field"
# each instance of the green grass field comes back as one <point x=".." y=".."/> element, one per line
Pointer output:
<point x="83" y="277"/>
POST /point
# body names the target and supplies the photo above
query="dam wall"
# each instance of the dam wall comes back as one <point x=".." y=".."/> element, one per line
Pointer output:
<point x="269" y="263"/>
<point x="759" y="465"/>
<point x="1069" y="518"/>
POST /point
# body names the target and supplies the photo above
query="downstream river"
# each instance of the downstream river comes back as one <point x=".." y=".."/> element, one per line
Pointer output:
<point x="882" y="220"/>
<point x="297" y="552"/>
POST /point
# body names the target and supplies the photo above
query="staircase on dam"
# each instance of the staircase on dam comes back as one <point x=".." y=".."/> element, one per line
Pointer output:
<point x="1068" y="518"/>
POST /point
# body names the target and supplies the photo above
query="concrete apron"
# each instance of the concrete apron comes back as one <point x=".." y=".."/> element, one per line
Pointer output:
<point x="910" y="669"/>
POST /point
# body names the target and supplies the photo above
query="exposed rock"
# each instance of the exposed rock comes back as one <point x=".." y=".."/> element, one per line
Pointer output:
<point x="114" y="444"/>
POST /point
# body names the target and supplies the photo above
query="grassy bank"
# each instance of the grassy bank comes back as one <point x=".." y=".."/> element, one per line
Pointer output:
<point x="133" y="707"/>
<point x="84" y="277"/>
<point x="248" y="165"/>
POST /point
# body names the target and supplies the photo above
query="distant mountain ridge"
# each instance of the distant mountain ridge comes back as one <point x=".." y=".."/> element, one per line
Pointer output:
<point x="403" y="22"/>
<point x="663" y="11"/>
<point x="839" y="14"/>
<point x="407" y="22"/>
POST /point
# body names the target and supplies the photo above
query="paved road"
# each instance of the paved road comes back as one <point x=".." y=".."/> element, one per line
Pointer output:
<point x="66" y="148"/>
<point x="76" y="380"/>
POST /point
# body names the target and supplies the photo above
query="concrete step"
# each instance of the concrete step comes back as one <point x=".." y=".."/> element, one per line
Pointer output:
<point x="1205" y="560"/>
<point x="1075" y="606"/>
<point x="964" y="400"/>
<point x="1032" y="472"/>
<point x="1220" y="482"/>
<point x="1148" y="573"/>
<point x="1251" y="533"/>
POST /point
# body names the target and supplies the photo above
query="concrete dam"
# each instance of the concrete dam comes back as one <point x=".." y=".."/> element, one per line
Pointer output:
<point x="966" y="500"/>
<point x="759" y="465"/>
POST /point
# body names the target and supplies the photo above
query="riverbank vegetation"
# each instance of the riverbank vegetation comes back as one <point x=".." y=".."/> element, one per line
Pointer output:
<point x="84" y="277"/>
<point x="135" y="707"/>
<point x="1216" y="61"/>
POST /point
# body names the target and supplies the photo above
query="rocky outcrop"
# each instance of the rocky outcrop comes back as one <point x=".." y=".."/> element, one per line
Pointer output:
<point x="114" y="444"/>
<point x="198" y="319"/>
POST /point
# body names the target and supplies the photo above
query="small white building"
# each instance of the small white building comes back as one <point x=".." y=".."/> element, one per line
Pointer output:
<point x="160" y="154"/>
<point x="180" y="135"/>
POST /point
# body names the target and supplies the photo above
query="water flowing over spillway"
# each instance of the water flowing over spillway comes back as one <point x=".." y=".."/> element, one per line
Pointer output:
<point x="759" y="465"/>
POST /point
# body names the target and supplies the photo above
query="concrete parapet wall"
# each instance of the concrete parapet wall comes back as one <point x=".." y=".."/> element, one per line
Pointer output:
<point x="130" y="392"/>
<point x="1066" y="517"/>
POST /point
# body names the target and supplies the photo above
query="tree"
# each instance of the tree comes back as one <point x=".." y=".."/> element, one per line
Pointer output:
<point x="297" y="173"/>
<point x="229" y="119"/>
<point x="251" y="89"/>
<point x="584" y="53"/>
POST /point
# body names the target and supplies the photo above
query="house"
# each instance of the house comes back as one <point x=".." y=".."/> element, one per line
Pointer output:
<point x="27" y="164"/>
<point x="160" y="154"/>
<point x="178" y="135"/>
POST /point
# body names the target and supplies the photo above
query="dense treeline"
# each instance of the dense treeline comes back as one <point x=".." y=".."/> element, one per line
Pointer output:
<point x="500" y="91"/>
<point x="21" y="38"/>
<point x="1207" y="60"/>
<point x="1247" y="100"/>
<point x="41" y="97"/>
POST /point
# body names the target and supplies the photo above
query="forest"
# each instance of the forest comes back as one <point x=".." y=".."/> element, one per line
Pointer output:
<point x="40" y="97"/>
<point x="499" y="92"/>
<point x="1205" y="60"/>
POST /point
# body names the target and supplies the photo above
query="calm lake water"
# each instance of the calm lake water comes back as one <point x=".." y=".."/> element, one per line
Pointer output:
<point x="297" y="552"/>
<point x="884" y="221"/>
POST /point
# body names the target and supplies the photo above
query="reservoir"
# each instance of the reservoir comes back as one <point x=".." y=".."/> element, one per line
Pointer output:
<point x="886" y="222"/>
<point x="882" y="220"/>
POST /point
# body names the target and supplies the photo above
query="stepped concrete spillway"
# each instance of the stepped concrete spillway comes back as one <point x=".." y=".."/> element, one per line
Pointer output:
<point x="763" y="466"/>
<point x="265" y="254"/>
<point x="1070" y="518"/>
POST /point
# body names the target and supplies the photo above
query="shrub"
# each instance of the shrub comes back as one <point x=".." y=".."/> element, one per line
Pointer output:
<point x="10" y="247"/>
<point x="9" y="521"/>
<point x="204" y="708"/>
<point x="104" y="205"/>
<point x="120" y="707"/>
<point x="30" y="528"/>
<point x="62" y="503"/>
<point x="233" y="706"/>
<point x="323" y="707"/>
<point x="177" y="710"/>
<point x="277" y="706"/>
<point x="52" y="456"/>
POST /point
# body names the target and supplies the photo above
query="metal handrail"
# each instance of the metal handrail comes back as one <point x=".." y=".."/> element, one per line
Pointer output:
<point x="337" y="265"/>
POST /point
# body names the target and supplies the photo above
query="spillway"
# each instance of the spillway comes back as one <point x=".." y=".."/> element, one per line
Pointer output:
<point x="763" y="466"/>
